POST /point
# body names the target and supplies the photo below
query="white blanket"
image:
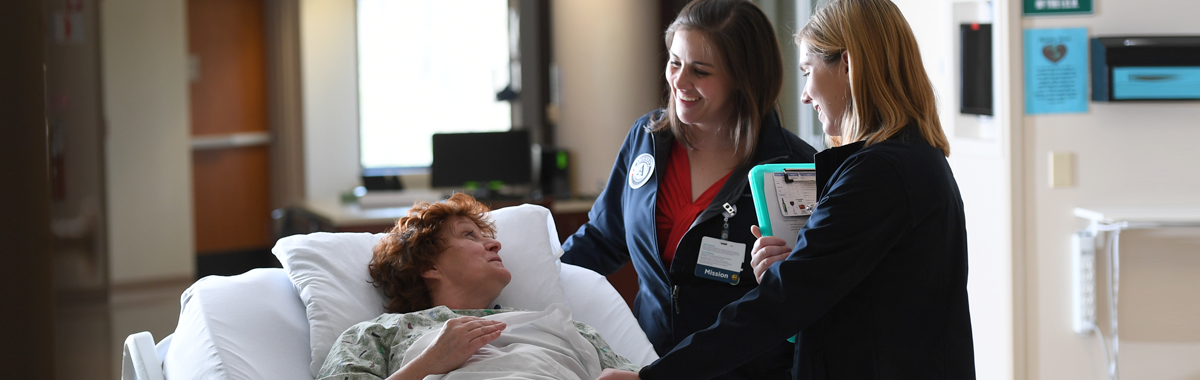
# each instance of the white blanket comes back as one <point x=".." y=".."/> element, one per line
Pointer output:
<point x="536" y="345"/>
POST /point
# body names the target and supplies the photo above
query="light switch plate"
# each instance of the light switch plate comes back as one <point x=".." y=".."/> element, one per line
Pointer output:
<point x="1062" y="167"/>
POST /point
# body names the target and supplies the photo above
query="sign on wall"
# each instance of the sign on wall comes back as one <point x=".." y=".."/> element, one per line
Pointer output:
<point x="1053" y="7"/>
<point x="1056" y="69"/>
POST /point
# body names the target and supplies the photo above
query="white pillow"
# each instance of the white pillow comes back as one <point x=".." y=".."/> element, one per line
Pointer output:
<point x="249" y="326"/>
<point x="329" y="270"/>
<point x="595" y="302"/>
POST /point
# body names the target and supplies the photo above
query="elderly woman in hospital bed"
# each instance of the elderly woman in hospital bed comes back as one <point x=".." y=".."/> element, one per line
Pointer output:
<point x="441" y="271"/>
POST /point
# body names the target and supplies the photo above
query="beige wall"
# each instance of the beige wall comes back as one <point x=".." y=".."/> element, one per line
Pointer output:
<point x="1127" y="154"/>
<point x="149" y="182"/>
<point x="329" y="73"/>
<point x="611" y="74"/>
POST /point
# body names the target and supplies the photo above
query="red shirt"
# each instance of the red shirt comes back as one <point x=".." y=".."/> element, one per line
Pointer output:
<point x="676" y="211"/>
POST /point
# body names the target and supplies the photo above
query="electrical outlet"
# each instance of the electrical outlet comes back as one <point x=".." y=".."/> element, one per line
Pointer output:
<point x="1083" y="281"/>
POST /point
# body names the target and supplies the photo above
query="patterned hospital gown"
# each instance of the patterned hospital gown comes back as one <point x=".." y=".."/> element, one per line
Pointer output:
<point x="375" y="349"/>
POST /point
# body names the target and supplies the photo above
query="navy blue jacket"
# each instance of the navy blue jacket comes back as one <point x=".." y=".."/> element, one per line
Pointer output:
<point x="672" y="302"/>
<point x="876" y="286"/>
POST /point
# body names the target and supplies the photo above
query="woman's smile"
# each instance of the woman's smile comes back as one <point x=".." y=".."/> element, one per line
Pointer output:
<point x="686" y="99"/>
<point x="698" y="81"/>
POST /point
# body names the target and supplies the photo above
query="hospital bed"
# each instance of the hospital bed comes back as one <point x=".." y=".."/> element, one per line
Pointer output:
<point x="279" y="323"/>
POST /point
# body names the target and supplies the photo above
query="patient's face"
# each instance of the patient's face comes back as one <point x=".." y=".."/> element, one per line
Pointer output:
<point x="471" y="261"/>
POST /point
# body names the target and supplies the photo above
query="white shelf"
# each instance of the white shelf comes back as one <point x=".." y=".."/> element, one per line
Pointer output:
<point x="1112" y="220"/>
<point x="1143" y="216"/>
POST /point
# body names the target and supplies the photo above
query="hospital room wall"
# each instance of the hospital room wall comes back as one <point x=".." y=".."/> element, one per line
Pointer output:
<point x="148" y="156"/>
<point x="329" y="66"/>
<point x="1126" y="154"/>
<point x="610" y="68"/>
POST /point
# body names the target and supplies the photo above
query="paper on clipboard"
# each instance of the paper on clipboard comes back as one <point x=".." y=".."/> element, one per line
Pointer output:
<point x="784" y="197"/>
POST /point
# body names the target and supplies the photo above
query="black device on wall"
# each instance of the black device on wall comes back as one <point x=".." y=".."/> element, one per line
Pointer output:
<point x="976" y="69"/>
<point x="1145" y="68"/>
<point x="482" y="158"/>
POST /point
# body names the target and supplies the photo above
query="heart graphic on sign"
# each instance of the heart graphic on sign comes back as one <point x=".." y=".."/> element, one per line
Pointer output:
<point x="1054" y="53"/>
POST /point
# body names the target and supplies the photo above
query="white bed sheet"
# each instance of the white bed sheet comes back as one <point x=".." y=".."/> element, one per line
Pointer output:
<point x="250" y="326"/>
<point x="536" y="345"/>
<point x="595" y="302"/>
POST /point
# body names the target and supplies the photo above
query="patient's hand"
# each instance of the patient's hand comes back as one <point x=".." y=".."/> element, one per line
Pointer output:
<point x="767" y="250"/>
<point x="459" y="339"/>
<point x="613" y="374"/>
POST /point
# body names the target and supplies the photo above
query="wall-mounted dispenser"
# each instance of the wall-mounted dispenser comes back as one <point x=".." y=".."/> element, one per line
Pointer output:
<point x="1145" y="68"/>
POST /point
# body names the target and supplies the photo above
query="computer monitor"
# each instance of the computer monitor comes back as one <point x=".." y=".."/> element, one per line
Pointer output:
<point x="482" y="158"/>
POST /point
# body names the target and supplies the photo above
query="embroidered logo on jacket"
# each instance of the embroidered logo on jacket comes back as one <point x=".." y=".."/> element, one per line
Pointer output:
<point x="641" y="170"/>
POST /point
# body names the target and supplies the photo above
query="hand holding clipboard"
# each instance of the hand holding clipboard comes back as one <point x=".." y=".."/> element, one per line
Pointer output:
<point x="784" y="197"/>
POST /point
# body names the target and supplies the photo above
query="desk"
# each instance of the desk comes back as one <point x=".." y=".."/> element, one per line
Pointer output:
<point x="346" y="217"/>
<point x="1112" y="220"/>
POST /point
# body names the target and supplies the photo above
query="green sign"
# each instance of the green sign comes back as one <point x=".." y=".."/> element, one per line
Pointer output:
<point x="1054" y="7"/>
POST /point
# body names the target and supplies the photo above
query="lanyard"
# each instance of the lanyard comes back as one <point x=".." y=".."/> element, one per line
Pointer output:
<point x="730" y="211"/>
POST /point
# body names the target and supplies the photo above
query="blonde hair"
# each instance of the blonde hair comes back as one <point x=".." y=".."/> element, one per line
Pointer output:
<point x="740" y="33"/>
<point x="888" y="84"/>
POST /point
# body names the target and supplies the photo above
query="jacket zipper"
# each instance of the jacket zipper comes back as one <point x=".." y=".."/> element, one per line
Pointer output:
<point x="675" y="299"/>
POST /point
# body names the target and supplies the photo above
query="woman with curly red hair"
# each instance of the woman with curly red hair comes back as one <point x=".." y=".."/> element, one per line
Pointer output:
<point x="440" y="270"/>
<point x="407" y="256"/>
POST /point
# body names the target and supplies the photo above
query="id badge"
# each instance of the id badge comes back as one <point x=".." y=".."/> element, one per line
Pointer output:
<point x="720" y="260"/>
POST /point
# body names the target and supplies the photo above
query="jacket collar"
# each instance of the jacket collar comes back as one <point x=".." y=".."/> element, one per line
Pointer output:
<point x="771" y="146"/>
<point x="829" y="160"/>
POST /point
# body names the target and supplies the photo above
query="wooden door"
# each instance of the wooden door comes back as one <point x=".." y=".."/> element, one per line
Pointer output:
<point x="230" y="156"/>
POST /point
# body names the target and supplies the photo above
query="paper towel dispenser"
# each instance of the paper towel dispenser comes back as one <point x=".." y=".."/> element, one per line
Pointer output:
<point x="1145" y="68"/>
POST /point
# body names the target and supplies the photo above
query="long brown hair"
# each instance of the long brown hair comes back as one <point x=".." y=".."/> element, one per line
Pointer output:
<point x="740" y="33"/>
<point x="414" y="244"/>
<point x="888" y="84"/>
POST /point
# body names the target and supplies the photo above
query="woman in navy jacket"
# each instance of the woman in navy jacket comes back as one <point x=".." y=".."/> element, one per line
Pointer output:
<point x="681" y="176"/>
<point x="876" y="287"/>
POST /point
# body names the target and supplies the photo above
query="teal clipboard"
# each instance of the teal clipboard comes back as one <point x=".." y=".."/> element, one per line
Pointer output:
<point x="763" y="206"/>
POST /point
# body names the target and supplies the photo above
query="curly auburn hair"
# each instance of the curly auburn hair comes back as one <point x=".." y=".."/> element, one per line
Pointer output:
<point x="414" y="244"/>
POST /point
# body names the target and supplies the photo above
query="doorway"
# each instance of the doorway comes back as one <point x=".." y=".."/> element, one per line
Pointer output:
<point x="230" y="136"/>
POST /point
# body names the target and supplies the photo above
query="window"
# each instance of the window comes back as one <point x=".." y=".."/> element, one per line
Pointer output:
<point x="425" y="67"/>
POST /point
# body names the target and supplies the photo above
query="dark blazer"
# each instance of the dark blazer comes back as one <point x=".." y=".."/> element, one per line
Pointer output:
<point x="672" y="302"/>
<point x="876" y="286"/>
